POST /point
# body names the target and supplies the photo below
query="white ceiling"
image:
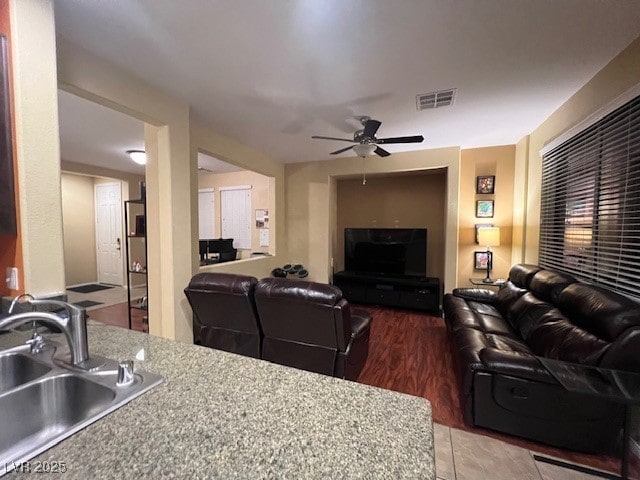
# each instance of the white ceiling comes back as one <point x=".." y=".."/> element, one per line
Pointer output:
<point x="95" y="135"/>
<point x="272" y="73"/>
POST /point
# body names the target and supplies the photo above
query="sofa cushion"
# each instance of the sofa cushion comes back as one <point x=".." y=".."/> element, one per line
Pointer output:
<point x="554" y="336"/>
<point x="547" y="284"/>
<point x="506" y="297"/>
<point x="475" y="294"/>
<point x="602" y="312"/>
<point x="526" y="312"/>
<point x="521" y="274"/>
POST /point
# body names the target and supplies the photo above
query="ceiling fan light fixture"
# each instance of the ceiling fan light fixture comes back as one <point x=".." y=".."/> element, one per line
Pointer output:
<point x="138" y="156"/>
<point x="364" y="149"/>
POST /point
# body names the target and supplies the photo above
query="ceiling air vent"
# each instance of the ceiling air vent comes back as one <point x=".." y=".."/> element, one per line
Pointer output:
<point x="443" y="98"/>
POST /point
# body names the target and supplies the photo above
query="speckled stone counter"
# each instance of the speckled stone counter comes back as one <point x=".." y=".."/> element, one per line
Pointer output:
<point x="220" y="415"/>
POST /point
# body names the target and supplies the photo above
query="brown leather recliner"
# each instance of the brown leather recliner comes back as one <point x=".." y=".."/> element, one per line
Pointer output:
<point x="224" y="311"/>
<point x="310" y="326"/>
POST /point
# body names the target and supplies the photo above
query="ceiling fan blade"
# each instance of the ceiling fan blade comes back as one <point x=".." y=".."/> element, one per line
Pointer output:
<point x="334" y="138"/>
<point x="342" y="150"/>
<point x="382" y="152"/>
<point x="371" y="127"/>
<point x="413" y="139"/>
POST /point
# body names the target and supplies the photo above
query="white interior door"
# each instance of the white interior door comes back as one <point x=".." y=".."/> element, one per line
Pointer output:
<point x="109" y="233"/>
<point x="206" y="213"/>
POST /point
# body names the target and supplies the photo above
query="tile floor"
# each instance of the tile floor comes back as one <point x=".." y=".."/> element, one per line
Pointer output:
<point x="110" y="296"/>
<point x="462" y="455"/>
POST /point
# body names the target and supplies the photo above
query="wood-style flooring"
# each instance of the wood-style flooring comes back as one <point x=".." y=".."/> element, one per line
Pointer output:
<point x="410" y="352"/>
<point x="116" y="315"/>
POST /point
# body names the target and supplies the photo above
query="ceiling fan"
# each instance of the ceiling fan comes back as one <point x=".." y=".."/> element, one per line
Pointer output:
<point x="366" y="141"/>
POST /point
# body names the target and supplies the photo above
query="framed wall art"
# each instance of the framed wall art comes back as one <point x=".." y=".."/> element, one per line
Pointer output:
<point x="485" y="184"/>
<point x="482" y="260"/>
<point x="484" y="208"/>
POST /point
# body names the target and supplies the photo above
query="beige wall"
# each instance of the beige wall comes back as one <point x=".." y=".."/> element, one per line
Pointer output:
<point x="33" y="56"/>
<point x="259" y="200"/>
<point x="78" y="219"/>
<point x="399" y="201"/>
<point x="498" y="161"/>
<point x="312" y="212"/>
<point x="618" y="76"/>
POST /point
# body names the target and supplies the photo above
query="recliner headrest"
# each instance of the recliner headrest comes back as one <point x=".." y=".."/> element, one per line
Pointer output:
<point x="521" y="274"/>
<point x="547" y="284"/>
<point x="319" y="293"/>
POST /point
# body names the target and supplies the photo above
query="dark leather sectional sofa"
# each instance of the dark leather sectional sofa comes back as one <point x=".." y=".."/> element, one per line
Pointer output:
<point x="496" y="337"/>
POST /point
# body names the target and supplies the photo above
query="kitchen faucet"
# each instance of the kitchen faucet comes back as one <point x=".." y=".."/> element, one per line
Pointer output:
<point x="74" y="327"/>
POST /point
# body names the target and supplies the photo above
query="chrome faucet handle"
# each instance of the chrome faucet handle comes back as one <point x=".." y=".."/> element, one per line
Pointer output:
<point x="125" y="373"/>
<point x="36" y="342"/>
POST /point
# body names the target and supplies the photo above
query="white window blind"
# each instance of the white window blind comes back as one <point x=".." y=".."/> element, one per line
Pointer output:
<point x="235" y="205"/>
<point x="590" y="203"/>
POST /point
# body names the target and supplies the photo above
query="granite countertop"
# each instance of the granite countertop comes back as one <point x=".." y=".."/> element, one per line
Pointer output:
<point x="220" y="415"/>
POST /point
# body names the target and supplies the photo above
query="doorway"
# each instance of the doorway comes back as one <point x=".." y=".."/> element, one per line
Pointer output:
<point x="108" y="197"/>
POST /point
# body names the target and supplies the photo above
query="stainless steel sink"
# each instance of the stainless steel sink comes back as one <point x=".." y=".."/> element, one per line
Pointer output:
<point x="43" y="401"/>
<point x="17" y="368"/>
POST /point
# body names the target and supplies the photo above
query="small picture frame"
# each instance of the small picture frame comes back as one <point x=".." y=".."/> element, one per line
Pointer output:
<point x="485" y="184"/>
<point x="141" y="226"/>
<point x="479" y="226"/>
<point x="480" y="260"/>
<point x="484" y="208"/>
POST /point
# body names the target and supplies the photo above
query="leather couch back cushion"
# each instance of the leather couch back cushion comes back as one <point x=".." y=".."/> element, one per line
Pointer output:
<point x="521" y="274"/>
<point x="506" y="297"/>
<point x="554" y="336"/>
<point x="224" y="300"/>
<point x="602" y="312"/>
<point x="547" y="285"/>
<point x="298" y="311"/>
<point x="527" y="312"/>
<point x="230" y="311"/>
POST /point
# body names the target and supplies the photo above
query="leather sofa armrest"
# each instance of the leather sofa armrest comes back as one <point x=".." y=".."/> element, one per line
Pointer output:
<point x="515" y="365"/>
<point x="476" y="294"/>
<point x="360" y="322"/>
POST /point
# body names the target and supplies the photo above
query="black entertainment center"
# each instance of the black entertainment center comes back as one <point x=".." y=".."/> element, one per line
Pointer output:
<point x="387" y="266"/>
<point x="406" y="292"/>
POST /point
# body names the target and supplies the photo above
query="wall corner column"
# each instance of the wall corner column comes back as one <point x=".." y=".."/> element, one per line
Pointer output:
<point x="37" y="144"/>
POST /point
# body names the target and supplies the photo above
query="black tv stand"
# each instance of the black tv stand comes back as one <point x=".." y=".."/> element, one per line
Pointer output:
<point x="421" y="293"/>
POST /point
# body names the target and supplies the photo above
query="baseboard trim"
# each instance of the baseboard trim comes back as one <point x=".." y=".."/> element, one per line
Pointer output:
<point x="576" y="468"/>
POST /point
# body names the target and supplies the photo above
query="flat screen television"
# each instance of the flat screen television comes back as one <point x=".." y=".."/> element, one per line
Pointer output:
<point x="386" y="251"/>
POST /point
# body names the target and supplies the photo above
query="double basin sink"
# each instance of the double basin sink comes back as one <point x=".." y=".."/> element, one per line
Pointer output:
<point x="43" y="400"/>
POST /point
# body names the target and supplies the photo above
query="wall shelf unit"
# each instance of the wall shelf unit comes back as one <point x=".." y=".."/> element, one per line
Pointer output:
<point x="135" y="214"/>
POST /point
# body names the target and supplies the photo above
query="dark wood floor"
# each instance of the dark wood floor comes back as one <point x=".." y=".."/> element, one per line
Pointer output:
<point x="410" y="352"/>
<point x="117" y="315"/>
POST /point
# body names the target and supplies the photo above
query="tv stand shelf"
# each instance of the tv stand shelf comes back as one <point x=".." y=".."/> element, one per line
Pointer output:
<point x="421" y="293"/>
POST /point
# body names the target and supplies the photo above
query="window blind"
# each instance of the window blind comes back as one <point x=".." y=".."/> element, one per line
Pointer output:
<point x="235" y="204"/>
<point x="590" y="203"/>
